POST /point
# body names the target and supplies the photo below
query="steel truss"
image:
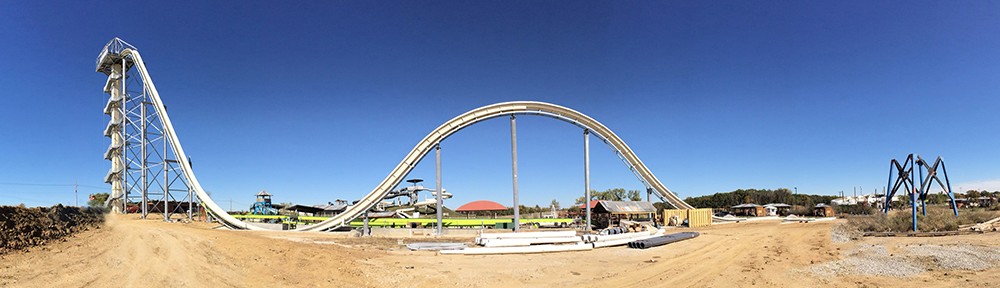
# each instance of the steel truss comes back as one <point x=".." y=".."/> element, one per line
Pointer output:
<point x="907" y="173"/>
<point x="145" y="172"/>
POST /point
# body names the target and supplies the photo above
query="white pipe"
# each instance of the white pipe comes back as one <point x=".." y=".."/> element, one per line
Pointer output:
<point x="507" y="242"/>
<point x="528" y="234"/>
<point x="724" y="219"/>
<point x="579" y="246"/>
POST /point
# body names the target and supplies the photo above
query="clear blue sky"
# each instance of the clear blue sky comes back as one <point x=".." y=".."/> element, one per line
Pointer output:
<point x="319" y="102"/>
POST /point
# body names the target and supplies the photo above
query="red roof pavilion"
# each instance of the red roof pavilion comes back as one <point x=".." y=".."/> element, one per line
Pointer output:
<point x="481" y="205"/>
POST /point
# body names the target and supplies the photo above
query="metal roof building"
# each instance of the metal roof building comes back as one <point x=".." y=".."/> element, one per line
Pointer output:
<point x="624" y="207"/>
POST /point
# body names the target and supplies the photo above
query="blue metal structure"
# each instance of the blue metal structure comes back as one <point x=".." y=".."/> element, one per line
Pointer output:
<point x="904" y="178"/>
<point x="263" y="205"/>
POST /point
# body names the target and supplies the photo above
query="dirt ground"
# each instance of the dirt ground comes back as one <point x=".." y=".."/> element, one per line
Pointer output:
<point x="132" y="252"/>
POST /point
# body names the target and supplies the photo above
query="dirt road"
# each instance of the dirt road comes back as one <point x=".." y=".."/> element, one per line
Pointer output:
<point x="147" y="252"/>
<point x="132" y="253"/>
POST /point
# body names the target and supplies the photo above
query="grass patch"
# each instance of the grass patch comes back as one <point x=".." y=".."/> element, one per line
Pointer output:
<point x="938" y="219"/>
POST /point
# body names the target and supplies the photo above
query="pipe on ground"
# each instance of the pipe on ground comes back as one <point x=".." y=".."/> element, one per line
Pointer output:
<point x="662" y="240"/>
<point x="579" y="246"/>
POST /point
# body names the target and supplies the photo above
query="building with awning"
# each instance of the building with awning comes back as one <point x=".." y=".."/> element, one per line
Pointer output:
<point x="608" y="213"/>
<point x="593" y="204"/>
<point x="749" y="209"/>
<point x="823" y="210"/>
<point x="323" y="210"/>
<point x="481" y="207"/>
<point x="774" y="209"/>
<point x="624" y="207"/>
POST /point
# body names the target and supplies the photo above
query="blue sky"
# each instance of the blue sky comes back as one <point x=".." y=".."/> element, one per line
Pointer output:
<point x="316" y="102"/>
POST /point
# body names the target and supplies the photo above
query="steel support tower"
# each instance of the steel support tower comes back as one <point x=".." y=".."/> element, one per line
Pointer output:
<point x="145" y="173"/>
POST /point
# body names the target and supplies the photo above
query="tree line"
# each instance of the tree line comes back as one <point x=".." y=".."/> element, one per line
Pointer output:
<point x="613" y="194"/>
<point x="757" y="196"/>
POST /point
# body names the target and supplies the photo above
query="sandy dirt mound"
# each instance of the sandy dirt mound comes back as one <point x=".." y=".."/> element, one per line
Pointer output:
<point x="154" y="253"/>
<point x="22" y="227"/>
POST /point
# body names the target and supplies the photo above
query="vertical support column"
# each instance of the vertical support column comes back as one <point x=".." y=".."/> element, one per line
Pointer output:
<point x="145" y="183"/>
<point x="888" y="197"/>
<point x="125" y="141"/>
<point x="166" y="182"/>
<point x="365" y="231"/>
<point x="586" y="176"/>
<point x="513" y="153"/>
<point x="190" y="200"/>
<point x="649" y="194"/>
<point x="954" y="206"/>
<point x="920" y="192"/>
<point x="913" y="194"/>
<point x="440" y="201"/>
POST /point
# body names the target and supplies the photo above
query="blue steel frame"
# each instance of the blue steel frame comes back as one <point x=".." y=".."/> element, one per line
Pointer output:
<point x="905" y="179"/>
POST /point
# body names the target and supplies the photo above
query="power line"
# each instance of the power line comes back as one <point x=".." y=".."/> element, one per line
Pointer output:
<point x="51" y="185"/>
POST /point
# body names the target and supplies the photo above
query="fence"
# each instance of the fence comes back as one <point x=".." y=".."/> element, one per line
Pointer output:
<point x="695" y="217"/>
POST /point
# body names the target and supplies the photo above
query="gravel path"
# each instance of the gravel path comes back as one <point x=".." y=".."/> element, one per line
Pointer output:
<point x="909" y="260"/>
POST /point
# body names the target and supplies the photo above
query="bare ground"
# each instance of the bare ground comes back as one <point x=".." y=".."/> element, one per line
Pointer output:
<point x="148" y="252"/>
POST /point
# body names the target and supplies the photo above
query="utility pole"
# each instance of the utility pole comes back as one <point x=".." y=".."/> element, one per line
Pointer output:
<point x="440" y="202"/>
<point x="586" y="177"/>
<point x="76" y="194"/>
<point x="513" y="152"/>
<point x="794" y="194"/>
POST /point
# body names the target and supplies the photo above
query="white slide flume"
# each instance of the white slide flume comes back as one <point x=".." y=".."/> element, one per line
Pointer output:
<point x="418" y="152"/>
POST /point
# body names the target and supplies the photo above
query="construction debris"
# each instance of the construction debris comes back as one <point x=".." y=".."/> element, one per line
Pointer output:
<point x="558" y="241"/>
<point x="435" y="246"/>
<point x="988" y="226"/>
<point x="800" y="219"/>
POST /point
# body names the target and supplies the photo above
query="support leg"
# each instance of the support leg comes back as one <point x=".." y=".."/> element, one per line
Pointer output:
<point x="440" y="201"/>
<point x="513" y="153"/>
<point x="586" y="176"/>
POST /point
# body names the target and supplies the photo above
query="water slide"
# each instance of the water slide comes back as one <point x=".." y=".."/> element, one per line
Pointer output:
<point x="396" y="175"/>
<point x="429" y="202"/>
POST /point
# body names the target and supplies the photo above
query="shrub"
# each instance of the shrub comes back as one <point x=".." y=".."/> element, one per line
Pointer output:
<point x="856" y="209"/>
<point x="937" y="219"/>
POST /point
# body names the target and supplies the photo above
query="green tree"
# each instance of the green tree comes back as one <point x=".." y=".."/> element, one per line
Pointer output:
<point x="936" y="198"/>
<point x="633" y="195"/>
<point x="97" y="200"/>
<point x="555" y="204"/>
<point x="973" y="194"/>
<point x="758" y="196"/>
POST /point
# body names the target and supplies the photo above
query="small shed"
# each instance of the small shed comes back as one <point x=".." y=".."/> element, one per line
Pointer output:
<point x="481" y="207"/>
<point x="986" y="201"/>
<point x="749" y="209"/>
<point x="823" y="210"/>
<point x="610" y="213"/>
<point x="774" y="209"/>
<point x="960" y="202"/>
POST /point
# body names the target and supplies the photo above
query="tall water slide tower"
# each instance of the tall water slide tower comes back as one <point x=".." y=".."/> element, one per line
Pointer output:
<point x="149" y="170"/>
<point x="145" y="174"/>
